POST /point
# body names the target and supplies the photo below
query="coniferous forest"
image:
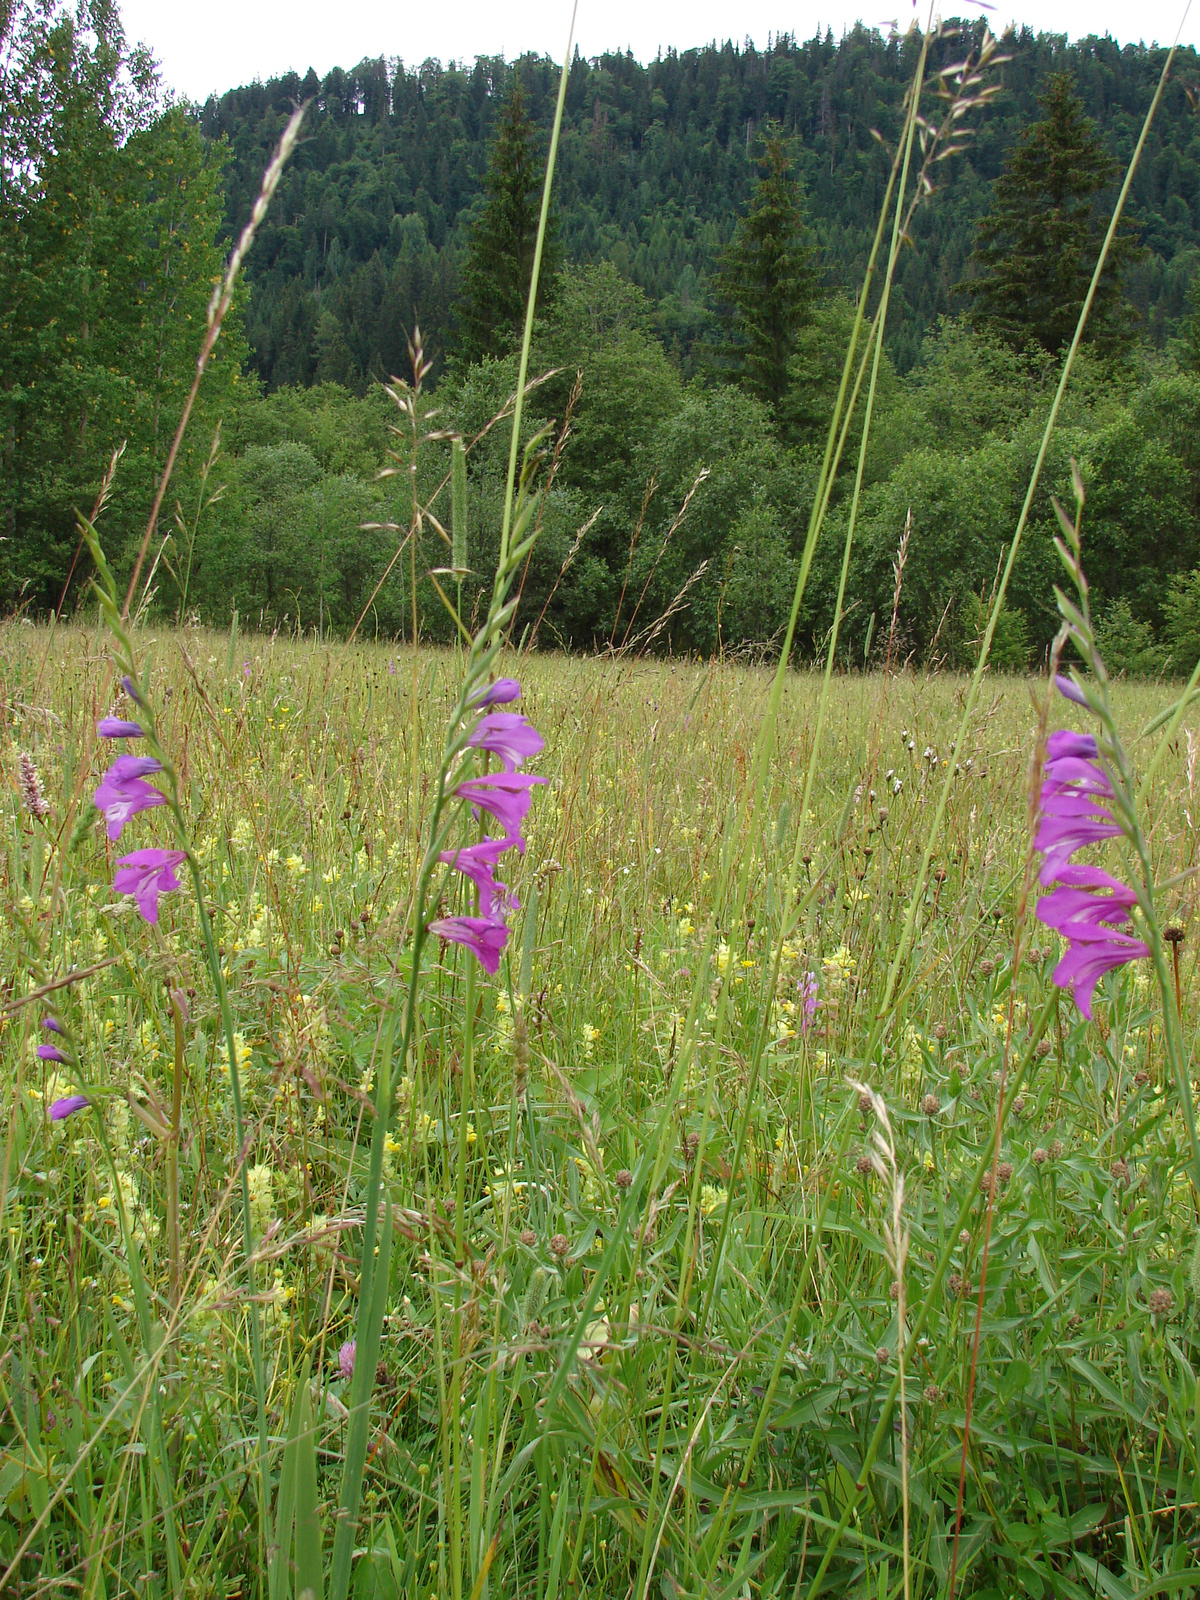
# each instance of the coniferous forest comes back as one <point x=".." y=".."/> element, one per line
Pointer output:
<point x="712" y="214"/>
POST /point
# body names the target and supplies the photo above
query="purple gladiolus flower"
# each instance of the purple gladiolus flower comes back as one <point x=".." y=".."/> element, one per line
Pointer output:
<point x="506" y="795"/>
<point x="484" y="936"/>
<point x="117" y="728"/>
<point x="145" y="874"/>
<point x="478" y="862"/>
<point x="1088" y="906"/>
<point x="1089" y="956"/>
<point x="51" y="1052"/>
<point x="508" y="735"/>
<point x="52" y="1025"/>
<point x="123" y="791"/>
<point x="1069" y="689"/>
<point x="346" y="1360"/>
<point x="130" y="689"/>
<point x="808" y="1000"/>
<point x="495" y="694"/>
<point x="68" y="1106"/>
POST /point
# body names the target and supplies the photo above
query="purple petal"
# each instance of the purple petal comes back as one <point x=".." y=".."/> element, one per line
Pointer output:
<point x="51" y="1052"/>
<point x="478" y="862"/>
<point x="1088" y="959"/>
<point x="131" y="690"/>
<point x="145" y="874"/>
<point x="51" y="1025"/>
<point x="483" y="936"/>
<point x="1070" y="690"/>
<point x="499" y="693"/>
<point x="123" y="791"/>
<point x="115" y="728"/>
<point x="508" y="735"/>
<point x="505" y="795"/>
<point x="68" y="1106"/>
<point x="1062" y="742"/>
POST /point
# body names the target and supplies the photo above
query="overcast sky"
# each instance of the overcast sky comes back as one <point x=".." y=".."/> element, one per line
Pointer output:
<point x="220" y="43"/>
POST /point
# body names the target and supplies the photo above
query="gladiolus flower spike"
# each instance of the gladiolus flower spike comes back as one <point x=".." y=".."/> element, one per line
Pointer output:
<point x="1087" y="906"/>
<point x="506" y="796"/>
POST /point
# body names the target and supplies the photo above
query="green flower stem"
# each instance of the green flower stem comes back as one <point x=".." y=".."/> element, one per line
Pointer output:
<point x="884" y="1425"/>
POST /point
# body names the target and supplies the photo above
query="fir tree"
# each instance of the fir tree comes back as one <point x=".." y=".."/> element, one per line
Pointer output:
<point x="1036" y="250"/>
<point x="499" y="262"/>
<point x="766" y="278"/>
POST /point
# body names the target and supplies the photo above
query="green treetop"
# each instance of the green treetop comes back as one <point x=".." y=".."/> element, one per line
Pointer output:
<point x="500" y="255"/>
<point x="766" y="278"/>
<point x="1036" y="250"/>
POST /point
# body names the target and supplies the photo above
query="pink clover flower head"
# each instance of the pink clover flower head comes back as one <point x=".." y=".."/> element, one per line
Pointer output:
<point x="478" y="862"/>
<point x="1069" y="689"/>
<point x="499" y="693"/>
<point x="504" y="795"/>
<point x="51" y="1052"/>
<point x="118" y="728"/>
<point x="68" y="1106"/>
<point x="508" y="735"/>
<point x="123" y="791"/>
<point x="485" y="937"/>
<point x="346" y="1360"/>
<point x="145" y="874"/>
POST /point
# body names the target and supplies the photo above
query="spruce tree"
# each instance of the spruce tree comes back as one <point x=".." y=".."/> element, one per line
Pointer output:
<point x="491" y="307"/>
<point x="1036" y="250"/>
<point x="766" y="278"/>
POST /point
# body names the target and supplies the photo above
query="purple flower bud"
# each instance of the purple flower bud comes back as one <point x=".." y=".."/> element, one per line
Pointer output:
<point x="68" y="1106"/>
<point x="116" y="728"/>
<point x="1069" y="689"/>
<point x="131" y="690"/>
<point x="51" y="1052"/>
<point x="495" y="694"/>
<point x="346" y="1360"/>
<point x="51" y="1025"/>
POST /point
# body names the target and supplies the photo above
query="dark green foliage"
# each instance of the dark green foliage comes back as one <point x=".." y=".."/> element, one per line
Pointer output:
<point x="499" y="263"/>
<point x="767" y="280"/>
<point x="109" y="212"/>
<point x="1037" y="248"/>
<point x="655" y="168"/>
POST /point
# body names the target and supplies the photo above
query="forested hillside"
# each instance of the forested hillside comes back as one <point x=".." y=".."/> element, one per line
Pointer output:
<point x="657" y="163"/>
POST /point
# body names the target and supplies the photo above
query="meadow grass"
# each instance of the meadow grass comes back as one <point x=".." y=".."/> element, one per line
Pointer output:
<point x="735" y="1359"/>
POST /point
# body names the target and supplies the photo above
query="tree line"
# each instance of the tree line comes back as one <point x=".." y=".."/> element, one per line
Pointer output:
<point x="705" y="384"/>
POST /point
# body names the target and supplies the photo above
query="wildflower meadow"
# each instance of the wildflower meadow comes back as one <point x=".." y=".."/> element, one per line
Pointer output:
<point x="489" y="1122"/>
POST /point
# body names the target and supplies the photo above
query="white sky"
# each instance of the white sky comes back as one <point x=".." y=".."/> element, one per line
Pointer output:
<point x="221" y="43"/>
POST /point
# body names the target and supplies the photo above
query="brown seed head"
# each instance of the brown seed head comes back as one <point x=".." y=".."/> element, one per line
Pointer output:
<point x="1056" y="1150"/>
<point x="932" y="1395"/>
<point x="1174" y="934"/>
<point x="559" y="1245"/>
<point x="940" y="1030"/>
<point x="528" y="1238"/>
<point x="986" y="967"/>
<point x="623" y="1178"/>
<point x="931" y="1105"/>
<point x="865" y="1103"/>
<point x="1120" y="1171"/>
<point x="882" y="1356"/>
<point x="1161" y="1302"/>
<point x="864" y="1165"/>
<point x="1043" y="1049"/>
<point x="1141" y="1079"/>
<point x="1040" y="1157"/>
